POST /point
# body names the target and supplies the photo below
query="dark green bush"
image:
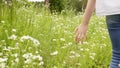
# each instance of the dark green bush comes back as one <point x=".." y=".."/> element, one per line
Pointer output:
<point x="59" y="5"/>
<point x="56" y="5"/>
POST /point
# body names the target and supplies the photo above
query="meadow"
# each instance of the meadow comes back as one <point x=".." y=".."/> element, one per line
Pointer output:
<point x="32" y="37"/>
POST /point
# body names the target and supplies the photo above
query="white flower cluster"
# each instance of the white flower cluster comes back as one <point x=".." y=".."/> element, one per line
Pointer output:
<point x="35" y="41"/>
<point x="13" y="30"/>
<point x="92" y="55"/>
<point x="16" y="60"/>
<point x="13" y="37"/>
<point x="3" y="22"/>
<point x="23" y="38"/>
<point x="54" y="53"/>
<point x="2" y="60"/>
<point x="67" y="45"/>
<point x="62" y="39"/>
<point x="74" y="54"/>
<point x="29" y="58"/>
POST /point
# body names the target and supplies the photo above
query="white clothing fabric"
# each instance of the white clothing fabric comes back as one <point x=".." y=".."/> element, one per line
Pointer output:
<point x="107" y="7"/>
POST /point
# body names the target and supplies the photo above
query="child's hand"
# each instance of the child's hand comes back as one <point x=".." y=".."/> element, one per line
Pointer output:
<point x="81" y="33"/>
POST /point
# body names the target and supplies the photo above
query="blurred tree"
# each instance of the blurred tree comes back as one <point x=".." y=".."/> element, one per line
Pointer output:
<point x="59" y="5"/>
<point x="56" y="5"/>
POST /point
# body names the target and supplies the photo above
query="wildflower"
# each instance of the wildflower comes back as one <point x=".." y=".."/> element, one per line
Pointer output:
<point x="13" y="37"/>
<point x="16" y="44"/>
<point x="74" y="54"/>
<point x="6" y="49"/>
<point x="30" y="58"/>
<point x="63" y="47"/>
<point x="24" y="38"/>
<point x="81" y="49"/>
<point x="6" y="31"/>
<point x="67" y="45"/>
<point x="70" y="43"/>
<point x="37" y="57"/>
<point x="77" y="55"/>
<point x="54" y="53"/>
<point x="101" y="47"/>
<point x="85" y="43"/>
<point x="55" y="67"/>
<point x="3" y="22"/>
<point x="62" y="39"/>
<point x="27" y="61"/>
<point x="15" y="55"/>
<point x="92" y="57"/>
<point x="2" y="65"/>
<point x="17" y="60"/>
<point x="92" y="54"/>
<point x="35" y="41"/>
<point x="36" y="52"/>
<point x="27" y="55"/>
<point x="64" y="62"/>
<point x="87" y="49"/>
<point x="13" y="30"/>
<point x="41" y="63"/>
<point x="3" y="60"/>
<point x="54" y="39"/>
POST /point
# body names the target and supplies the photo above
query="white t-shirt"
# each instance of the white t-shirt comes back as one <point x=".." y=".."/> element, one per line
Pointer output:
<point x="107" y="7"/>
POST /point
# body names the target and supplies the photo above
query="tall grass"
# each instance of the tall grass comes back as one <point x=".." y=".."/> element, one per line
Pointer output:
<point x="33" y="38"/>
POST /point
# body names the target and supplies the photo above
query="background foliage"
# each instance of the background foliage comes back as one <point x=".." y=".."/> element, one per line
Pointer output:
<point x="59" y="5"/>
<point x="56" y="5"/>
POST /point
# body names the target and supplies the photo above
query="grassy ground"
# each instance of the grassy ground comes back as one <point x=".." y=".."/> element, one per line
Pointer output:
<point x="34" y="38"/>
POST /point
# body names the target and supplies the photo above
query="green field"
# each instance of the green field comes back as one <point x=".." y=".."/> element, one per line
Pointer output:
<point x="34" y="38"/>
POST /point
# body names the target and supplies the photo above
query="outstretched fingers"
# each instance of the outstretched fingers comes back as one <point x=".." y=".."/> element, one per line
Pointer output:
<point x="80" y="37"/>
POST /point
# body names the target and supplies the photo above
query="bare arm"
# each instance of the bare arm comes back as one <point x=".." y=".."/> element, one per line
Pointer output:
<point x="88" y="12"/>
<point x="82" y="29"/>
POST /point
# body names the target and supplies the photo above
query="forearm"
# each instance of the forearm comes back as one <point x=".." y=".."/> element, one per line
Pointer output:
<point x="88" y="11"/>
